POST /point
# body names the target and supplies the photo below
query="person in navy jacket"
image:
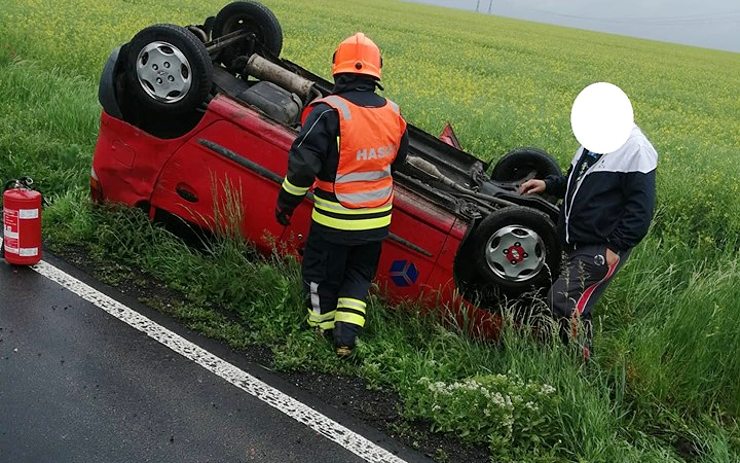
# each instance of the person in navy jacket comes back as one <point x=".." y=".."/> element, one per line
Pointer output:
<point x="608" y="205"/>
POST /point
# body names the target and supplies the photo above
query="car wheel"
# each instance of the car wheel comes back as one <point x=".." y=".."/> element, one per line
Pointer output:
<point x="523" y="164"/>
<point x="254" y="17"/>
<point x="168" y="70"/>
<point x="516" y="249"/>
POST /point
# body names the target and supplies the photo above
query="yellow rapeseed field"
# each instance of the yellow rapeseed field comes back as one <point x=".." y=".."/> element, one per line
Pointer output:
<point x="502" y="83"/>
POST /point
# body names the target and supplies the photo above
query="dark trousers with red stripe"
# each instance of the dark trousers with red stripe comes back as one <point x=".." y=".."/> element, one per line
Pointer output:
<point x="573" y="295"/>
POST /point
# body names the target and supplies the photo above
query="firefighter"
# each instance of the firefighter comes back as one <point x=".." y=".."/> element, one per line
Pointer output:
<point x="349" y="144"/>
<point x="609" y="200"/>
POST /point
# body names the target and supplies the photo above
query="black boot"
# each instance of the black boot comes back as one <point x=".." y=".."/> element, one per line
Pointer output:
<point x="345" y="338"/>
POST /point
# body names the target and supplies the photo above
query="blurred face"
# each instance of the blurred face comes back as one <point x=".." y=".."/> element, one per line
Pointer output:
<point x="602" y="118"/>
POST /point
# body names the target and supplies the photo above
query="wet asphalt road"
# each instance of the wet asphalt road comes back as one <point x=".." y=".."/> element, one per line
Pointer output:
<point x="78" y="385"/>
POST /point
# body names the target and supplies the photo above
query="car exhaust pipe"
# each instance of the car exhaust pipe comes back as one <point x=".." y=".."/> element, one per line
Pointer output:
<point x="428" y="168"/>
<point x="432" y="170"/>
<point x="263" y="69"/>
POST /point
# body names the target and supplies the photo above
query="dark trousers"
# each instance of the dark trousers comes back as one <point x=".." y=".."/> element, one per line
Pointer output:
<point x="573" y="295"/>
<point x="336" y="281"/>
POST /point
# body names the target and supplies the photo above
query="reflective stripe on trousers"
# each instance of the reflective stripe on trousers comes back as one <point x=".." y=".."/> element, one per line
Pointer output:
<point x="350" y="310"/>
<point x="316" y="319"/>
<point x="322" y="321"/>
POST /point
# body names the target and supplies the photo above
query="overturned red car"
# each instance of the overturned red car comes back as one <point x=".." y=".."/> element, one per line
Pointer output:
<point x="199" y="117"/>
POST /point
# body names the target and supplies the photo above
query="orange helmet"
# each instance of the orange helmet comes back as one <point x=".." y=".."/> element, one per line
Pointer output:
<point x="357" y="55"/>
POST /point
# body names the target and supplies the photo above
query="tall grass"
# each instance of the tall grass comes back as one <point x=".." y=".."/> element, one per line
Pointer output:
<point x="48" y="125"/>
<point x="667" y="357"/>
<point x="232" y="295"/>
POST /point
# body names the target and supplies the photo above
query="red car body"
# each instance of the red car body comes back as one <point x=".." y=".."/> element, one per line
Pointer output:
<point x="198" y="122"/>
<point x="234" y="148"/>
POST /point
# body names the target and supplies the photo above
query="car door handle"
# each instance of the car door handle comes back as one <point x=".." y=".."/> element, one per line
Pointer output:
<point x="186" y="193"/>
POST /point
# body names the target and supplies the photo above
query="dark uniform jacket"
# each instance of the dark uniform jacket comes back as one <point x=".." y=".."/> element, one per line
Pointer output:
<point x="315" y="154"/>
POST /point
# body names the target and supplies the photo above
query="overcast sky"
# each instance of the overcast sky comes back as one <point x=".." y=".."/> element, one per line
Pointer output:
<point x="703" y="23"/>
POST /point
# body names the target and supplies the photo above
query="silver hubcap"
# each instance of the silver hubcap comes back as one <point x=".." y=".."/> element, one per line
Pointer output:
<point x="515" y="253"/>
<point x="163" y="71"/>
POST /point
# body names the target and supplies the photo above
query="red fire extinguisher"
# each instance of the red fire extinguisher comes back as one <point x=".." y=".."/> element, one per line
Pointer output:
<point x="21" y="222"/>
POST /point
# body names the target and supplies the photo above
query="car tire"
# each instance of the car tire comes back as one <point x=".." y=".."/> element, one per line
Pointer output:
<point x="107" y="95"/>
<point x="253" y="16"/>
<point x="168" y="70"/>
<point x="518" y="164"/>
<point x="514" y="250"/>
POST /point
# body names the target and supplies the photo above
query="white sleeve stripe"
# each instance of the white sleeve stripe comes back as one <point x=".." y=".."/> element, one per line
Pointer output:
<point x="312" y="126"/>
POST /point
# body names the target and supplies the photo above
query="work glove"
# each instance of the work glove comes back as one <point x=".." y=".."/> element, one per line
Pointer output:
<point x="283" y="214"/>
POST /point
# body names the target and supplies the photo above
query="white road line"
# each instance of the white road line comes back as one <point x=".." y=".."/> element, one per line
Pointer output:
<point x="300" y="412"/>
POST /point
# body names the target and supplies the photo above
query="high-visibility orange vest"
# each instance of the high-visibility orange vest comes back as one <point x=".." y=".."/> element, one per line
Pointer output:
<point x="368" y="143"/>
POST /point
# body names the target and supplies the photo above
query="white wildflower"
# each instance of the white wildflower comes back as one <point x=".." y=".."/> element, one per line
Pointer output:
<point x="547" y="389"/>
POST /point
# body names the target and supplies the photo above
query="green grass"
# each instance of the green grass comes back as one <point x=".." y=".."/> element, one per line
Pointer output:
<point x="667" y="363"/>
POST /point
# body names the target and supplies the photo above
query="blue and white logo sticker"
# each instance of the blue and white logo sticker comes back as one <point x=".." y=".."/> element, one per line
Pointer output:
<point x="404" y="273"/>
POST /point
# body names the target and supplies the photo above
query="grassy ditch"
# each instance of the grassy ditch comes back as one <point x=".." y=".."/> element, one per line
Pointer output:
<point x="664" y="384"/>
<point x="533" y="402"/>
